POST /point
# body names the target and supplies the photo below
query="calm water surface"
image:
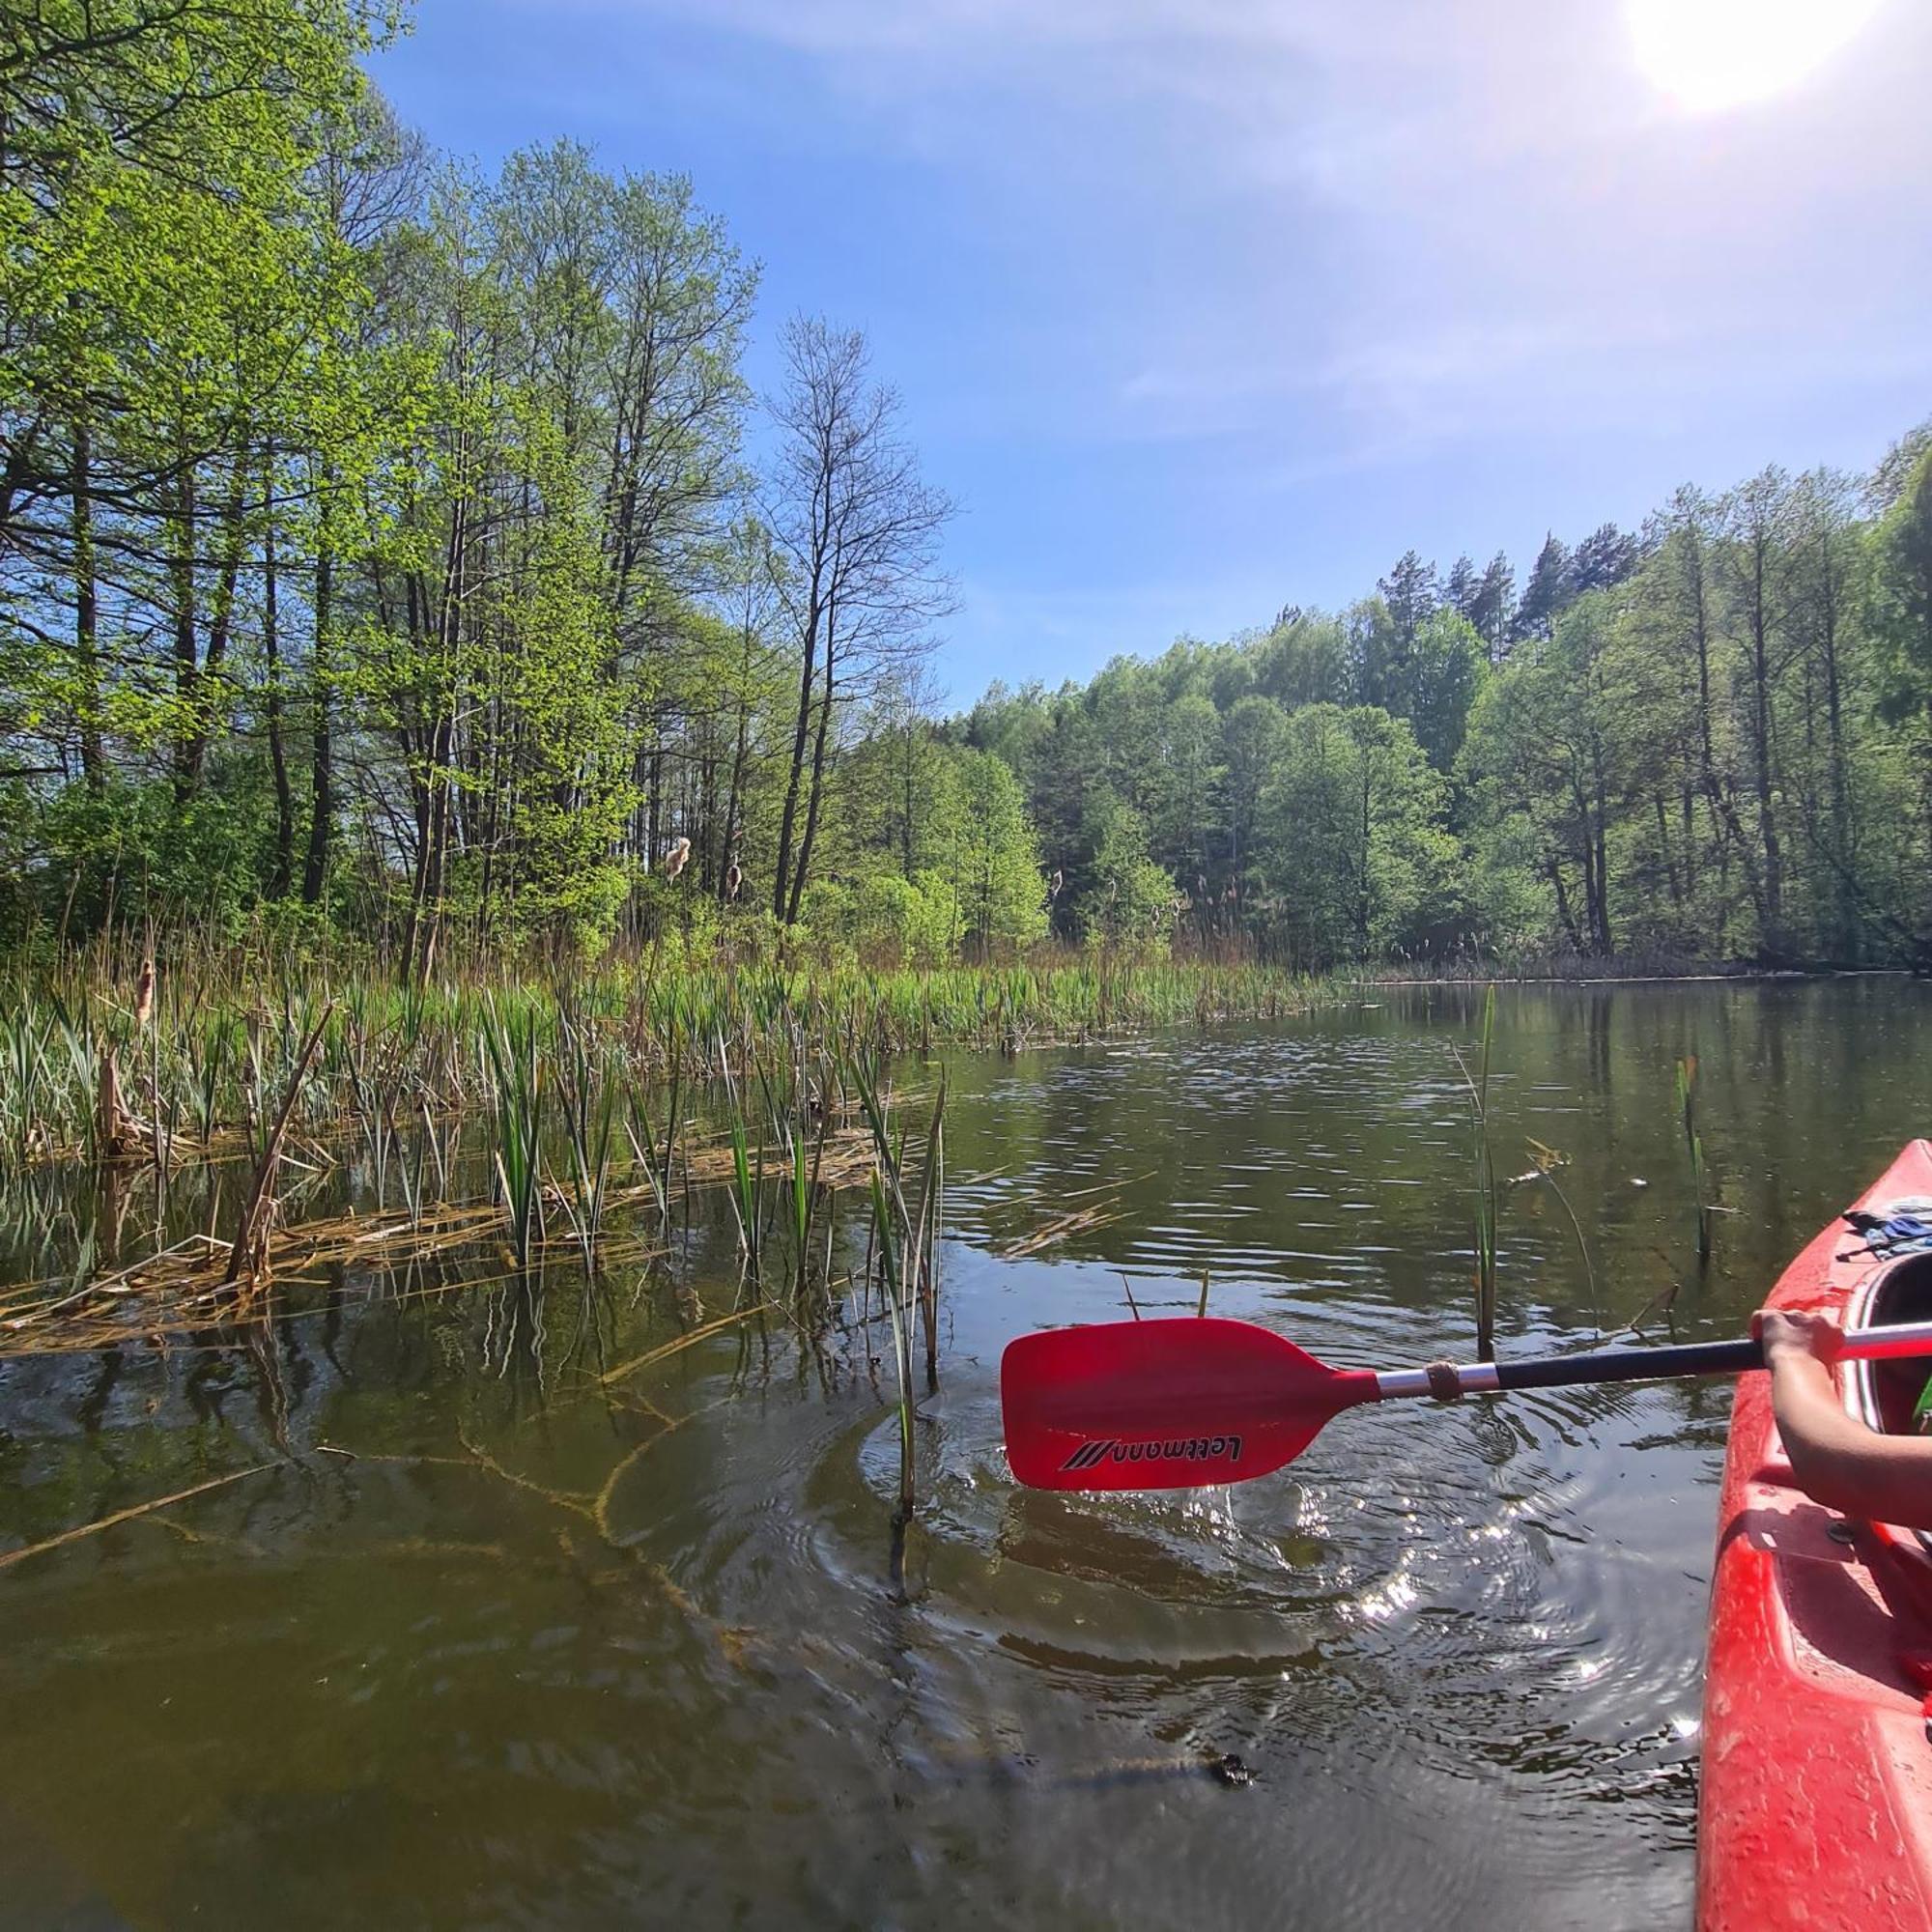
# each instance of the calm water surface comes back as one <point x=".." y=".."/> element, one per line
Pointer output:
<point x="502" y="1643"/>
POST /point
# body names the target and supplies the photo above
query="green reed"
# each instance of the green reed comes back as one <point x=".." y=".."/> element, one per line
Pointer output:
<point x="932" y="1195"/>
<point x="593" y="1092"/>
<point x="201" y="1070"/>
<point x="1485" y="1197"/>
<point x="1693" y="1147"/>
<point x="745" y="1185"/>
<point x="902" y="1242"/>
<point x="510" y="1044"/>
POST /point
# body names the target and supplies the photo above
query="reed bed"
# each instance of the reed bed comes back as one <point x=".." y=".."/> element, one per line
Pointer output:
<point x="194" y="1286"/>
<point x="104" y="1058"/>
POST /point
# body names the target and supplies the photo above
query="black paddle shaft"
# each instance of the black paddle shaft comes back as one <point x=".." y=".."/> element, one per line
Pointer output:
<point x="1630" y="1365"/>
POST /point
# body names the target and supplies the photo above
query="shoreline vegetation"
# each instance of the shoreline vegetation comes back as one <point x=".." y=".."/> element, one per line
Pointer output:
<point x="108" y="1060"/>
<point x="596" y="1099"/>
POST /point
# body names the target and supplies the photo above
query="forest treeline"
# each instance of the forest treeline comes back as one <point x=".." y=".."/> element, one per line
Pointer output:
<point x="1707" y="739"/>
<point x="396" y="550"/>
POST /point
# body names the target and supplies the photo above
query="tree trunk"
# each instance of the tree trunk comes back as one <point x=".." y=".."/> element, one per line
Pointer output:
<point x="1772" y="936"/>
<point x="818" y="793"/>
<point x="1672" y="880"/>
<point x="799" y="738"/>
<point x="283" y="869"/>
<point x="194" y="752"/>
<point x="1564" y="916"/>
<point x="740" y="753"/>
<point x="1846" y="917"/>
<point x="322" y="796"/>
<point x="182" y="574"/>
<point x="1723" y="812"/>
<point x="1600" y="840"/>
<point x="87" y="613"/>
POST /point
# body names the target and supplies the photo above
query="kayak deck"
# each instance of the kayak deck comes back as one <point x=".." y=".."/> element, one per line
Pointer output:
<point x="1815" y="1806"/>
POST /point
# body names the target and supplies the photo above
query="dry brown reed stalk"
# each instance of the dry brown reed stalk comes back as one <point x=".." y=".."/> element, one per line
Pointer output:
<point x="250" y="1248"/>
<point x="185" y="1145"/>
<point x="1114" y="1188"/>
<point x="1660" y="1304"/>
<point x="118" y="1134"/>
<point x="187" y="1288"/>
<point x="1062" y="1228"/>
<point x="182" y="1290"/>
<point x="67" y="1536"/>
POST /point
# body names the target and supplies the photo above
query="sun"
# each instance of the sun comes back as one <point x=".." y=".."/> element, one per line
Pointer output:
<point x="1711" y="54"/>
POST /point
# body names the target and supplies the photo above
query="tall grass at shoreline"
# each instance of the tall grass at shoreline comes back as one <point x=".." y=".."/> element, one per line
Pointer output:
<point x="220" y="1031"/>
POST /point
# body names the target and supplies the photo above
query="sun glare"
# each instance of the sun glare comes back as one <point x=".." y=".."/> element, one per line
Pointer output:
<point x="1712" y="54"/>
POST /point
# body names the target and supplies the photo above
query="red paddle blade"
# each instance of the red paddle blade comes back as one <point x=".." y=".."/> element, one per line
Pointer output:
<point x="1174" y="1404"/>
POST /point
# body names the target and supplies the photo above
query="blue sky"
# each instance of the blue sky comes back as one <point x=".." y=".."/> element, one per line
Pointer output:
<point x="1200" y="307"/>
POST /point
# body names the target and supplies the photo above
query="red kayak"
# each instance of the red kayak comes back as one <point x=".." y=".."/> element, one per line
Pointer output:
<point x="1817" y="1802"/>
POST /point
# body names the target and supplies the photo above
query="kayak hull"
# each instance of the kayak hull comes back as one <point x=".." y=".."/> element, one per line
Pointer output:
<point x="1816" y="1801"/>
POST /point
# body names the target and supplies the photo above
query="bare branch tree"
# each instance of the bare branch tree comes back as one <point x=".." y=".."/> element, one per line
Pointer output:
<point x="858" y="530"/>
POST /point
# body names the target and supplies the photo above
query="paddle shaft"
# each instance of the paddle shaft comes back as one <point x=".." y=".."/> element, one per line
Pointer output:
<point x="1645" y="1365"/>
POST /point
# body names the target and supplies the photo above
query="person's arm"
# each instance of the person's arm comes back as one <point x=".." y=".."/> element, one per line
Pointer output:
<point x="1837" y="1461"/>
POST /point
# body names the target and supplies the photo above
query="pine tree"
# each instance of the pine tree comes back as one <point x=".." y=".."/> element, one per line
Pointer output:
<point x="1410" y="593"/>
<point x="1604" y="557"/>
<point x="1549" y="589"/>
<point x="1492" y="604"/>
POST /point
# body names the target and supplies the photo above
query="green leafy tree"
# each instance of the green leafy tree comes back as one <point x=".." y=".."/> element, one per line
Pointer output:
<point x="990" y="863"/>
<point x="1363" y="863"/>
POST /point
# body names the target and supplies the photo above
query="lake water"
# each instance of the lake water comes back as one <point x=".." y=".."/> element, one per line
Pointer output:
<point x="505" y="1641"/>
